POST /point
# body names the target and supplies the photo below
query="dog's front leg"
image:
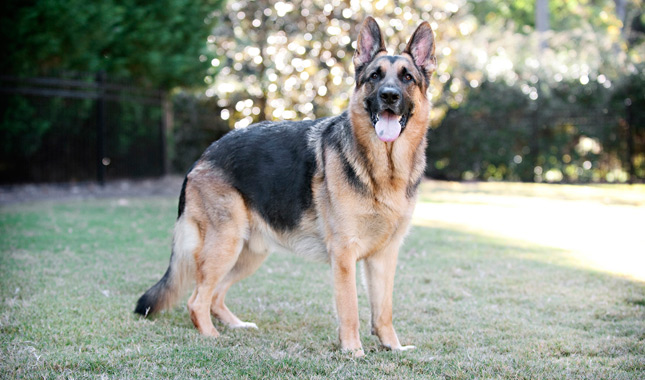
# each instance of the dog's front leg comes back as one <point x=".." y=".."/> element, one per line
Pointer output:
<point x="379" y="275"/>
<point x="343" y="265"/>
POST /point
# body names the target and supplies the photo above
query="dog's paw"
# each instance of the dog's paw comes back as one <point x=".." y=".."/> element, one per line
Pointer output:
<point x="244" y="325"/>
<point x="355" y="353"/>
<point x="210" y="332"/>
<point x="404" y="348"/>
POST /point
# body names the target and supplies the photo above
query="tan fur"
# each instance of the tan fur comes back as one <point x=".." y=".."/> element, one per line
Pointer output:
<point x="221" y="216"/>
<point x="371" y="229"/>
<point x="225" y="240"/>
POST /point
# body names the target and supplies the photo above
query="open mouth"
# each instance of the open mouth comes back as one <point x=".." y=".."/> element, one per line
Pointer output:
<point x="388" y="125"/>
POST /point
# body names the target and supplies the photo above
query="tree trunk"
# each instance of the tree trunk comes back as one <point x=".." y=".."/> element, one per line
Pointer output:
<point x="621" y="14"/>
<point x="542" y="20"/>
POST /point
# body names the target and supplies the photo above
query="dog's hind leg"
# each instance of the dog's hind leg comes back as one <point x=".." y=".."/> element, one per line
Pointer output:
<point x="221" y="251"/>
<point x="224" y="225"/>
<point x="247" y="263"/>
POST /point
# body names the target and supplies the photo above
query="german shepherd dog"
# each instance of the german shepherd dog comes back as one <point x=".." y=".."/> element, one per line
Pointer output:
<point x="340" y="188"/>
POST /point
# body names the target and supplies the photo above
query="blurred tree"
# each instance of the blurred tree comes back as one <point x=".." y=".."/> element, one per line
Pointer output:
<point x="542" y="20"/>
<point x="558" y="15"/>
<point x="275" y="59"/>
<point x="288" y="60"/>
<point x="485" y="137"/>
<point x="158" y="43"/>
<point x="292" y="60"/>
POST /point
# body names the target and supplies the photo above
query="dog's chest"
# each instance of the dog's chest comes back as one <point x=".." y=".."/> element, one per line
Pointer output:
<point x="367" y="226"/>
<point x="374" y="225"/>
<point x="386" y="215"/>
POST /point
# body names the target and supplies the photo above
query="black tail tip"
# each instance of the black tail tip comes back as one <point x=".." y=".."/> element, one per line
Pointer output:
<point x="145" y="306"/>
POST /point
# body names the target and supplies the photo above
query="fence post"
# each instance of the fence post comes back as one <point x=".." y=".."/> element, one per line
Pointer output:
<point x="629" y="119"/>
<point x="100" y="128"/>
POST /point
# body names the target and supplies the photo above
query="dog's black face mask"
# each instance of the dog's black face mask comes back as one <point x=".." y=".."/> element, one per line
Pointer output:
<point x="391" y="81"/>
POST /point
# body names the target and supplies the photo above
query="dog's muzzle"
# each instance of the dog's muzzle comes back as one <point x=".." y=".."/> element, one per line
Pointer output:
<point x="391" y="119"/>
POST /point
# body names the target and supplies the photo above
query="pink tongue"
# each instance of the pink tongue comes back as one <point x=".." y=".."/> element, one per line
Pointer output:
<point x="387" y="127"/>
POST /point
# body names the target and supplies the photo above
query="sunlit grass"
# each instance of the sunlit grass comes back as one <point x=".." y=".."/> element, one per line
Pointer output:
<point x="479" y="297"/>
<point x="598" y="226"/>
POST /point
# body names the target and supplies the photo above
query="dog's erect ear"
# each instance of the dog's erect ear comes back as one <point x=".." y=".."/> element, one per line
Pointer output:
<point x="421" y="49"/>
<point x="369" y="43"/>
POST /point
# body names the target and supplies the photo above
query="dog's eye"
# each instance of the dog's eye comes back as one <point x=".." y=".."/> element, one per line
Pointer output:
<point x="374" y="75"/>
<point x="407" y="77"/>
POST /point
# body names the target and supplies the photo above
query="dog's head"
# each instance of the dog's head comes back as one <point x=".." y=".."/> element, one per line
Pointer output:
<point x="391" y="89"/>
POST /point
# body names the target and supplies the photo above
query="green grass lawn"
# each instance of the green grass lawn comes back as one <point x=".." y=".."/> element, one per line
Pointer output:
<point x="477" y="304"/>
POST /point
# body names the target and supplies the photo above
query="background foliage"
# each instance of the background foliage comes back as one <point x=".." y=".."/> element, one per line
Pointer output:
<point x="238" y="62"/>
<point x="279" y="60"/>
<point x="155" y="43"/>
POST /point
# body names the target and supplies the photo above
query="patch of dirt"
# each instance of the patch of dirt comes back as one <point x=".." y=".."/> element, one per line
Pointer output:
<point x="164" y="186"/>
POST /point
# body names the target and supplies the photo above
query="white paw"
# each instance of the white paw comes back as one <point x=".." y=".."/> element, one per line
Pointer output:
<point x="244" y="325"/>
<point x="404" y="348"/>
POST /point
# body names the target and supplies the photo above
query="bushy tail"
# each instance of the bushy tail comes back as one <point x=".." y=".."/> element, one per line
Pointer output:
<point x="161" y="296"/>
<point x="180" y="273"/>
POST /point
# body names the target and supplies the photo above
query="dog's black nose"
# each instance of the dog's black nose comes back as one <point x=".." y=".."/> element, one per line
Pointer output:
<point x="389" y="95"/>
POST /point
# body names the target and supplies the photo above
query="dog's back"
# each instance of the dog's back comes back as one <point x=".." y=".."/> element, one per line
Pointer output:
<point x="271" y="165"/>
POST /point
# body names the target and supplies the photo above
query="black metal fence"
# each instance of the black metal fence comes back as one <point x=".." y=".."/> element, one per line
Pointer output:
<point x="545" y="144"/>
<point x="79" y="127"/>
<point x="196" y="123"/>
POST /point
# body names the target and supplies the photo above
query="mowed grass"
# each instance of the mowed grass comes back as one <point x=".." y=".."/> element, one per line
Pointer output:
<point x="476" y="304"/>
